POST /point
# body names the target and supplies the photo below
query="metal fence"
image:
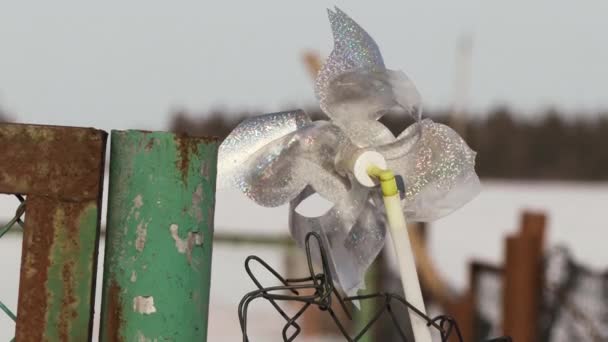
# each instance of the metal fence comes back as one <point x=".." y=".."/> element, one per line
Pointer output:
<point x="157" y="177"/>
<point x="574" y="301"/>
<point x="59" y="170"/>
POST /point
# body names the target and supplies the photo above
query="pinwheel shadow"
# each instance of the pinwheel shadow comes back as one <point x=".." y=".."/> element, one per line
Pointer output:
<point x="321" y="292"/>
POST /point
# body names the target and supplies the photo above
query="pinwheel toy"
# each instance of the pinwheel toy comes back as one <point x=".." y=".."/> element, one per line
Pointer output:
<point x="285" y="157"/>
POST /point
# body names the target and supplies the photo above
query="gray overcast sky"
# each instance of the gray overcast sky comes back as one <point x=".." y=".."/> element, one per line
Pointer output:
<point x="126" y="64"/>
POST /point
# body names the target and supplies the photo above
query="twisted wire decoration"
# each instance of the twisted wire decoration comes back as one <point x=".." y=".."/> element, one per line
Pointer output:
<point x="324" y="292"/>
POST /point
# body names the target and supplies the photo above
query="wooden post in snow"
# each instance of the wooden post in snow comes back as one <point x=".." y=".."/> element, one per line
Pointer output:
<point x="523" y="279"/>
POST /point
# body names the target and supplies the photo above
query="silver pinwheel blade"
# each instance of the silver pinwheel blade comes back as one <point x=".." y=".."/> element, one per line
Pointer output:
<point x="285" y="157"/>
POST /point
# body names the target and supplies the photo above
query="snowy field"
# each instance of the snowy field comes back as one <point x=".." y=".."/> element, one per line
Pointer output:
<point x="576" y="219"/>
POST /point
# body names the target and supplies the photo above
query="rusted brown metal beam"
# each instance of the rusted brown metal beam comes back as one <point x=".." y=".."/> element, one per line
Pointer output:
<point x="59" y="162"/>
<point x="60" y="170"/>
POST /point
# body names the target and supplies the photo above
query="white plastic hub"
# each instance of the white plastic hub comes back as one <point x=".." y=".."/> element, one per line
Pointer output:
<point x="363" y="162"/>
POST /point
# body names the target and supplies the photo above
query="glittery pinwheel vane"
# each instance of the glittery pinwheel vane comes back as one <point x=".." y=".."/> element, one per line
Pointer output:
<point x="285" y="157"/>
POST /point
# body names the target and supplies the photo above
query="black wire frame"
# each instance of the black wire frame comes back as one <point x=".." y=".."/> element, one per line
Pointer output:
<point x="324" y="291"/>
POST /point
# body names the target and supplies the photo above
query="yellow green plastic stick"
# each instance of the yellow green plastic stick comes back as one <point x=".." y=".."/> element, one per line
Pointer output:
<point x="403" y="250"/>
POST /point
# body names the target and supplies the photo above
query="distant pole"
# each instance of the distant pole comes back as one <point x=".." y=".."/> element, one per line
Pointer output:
<point x="312" y="62"/>
<point x="462" y="84"/>
<point x="159" y="237"/>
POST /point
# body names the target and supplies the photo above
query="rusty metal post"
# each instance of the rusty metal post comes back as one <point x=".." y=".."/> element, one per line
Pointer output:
<point x="60" y="170"/>
<point x="523" y="279"/>
<point x="159" y="237"/>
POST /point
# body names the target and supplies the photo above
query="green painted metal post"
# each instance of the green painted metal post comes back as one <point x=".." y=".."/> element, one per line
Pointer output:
<point x="159" y="237"/>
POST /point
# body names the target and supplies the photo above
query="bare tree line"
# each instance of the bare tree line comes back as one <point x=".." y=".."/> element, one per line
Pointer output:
<point x="549" y="147"/>
<point x="509" y="147"/>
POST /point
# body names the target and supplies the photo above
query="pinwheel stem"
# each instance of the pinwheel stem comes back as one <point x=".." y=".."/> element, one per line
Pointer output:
<point x="403" y="250"/>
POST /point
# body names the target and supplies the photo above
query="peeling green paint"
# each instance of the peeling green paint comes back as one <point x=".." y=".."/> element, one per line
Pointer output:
<point x="157" y="278"/>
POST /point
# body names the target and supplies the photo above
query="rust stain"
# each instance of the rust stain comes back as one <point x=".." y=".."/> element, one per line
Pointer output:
<point x="211" y="218"/>
<point x="60" y="162"/>
<point x="50" y="277"/>
<point x="187" y="145"/>
<point x="67" y="313"/>
<point x="150" y="144"/>
<point x="35" y="264"/>
<point x="60" y="170"/>
<point x="207" y="139"/>
<point x="114" y="319"/>
<point x="69" y="221"/>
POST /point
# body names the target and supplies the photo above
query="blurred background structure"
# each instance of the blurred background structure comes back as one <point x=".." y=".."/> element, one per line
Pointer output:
<point x="524" y="83"/>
